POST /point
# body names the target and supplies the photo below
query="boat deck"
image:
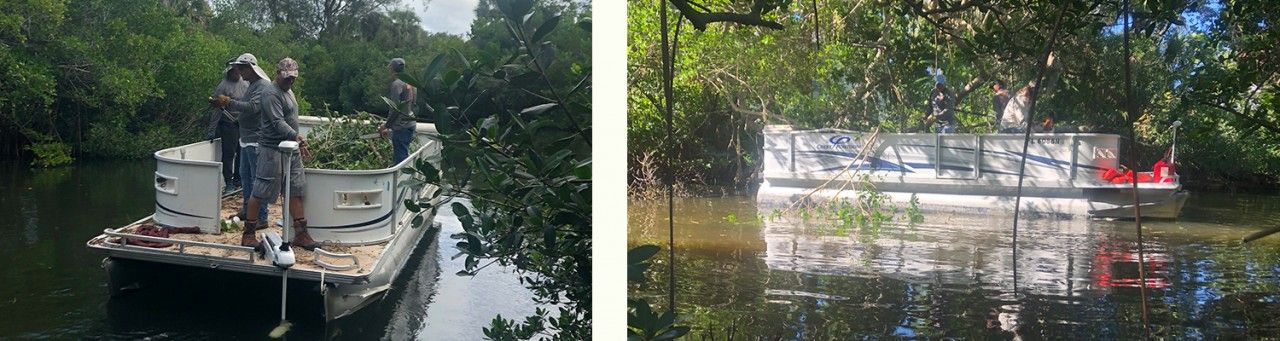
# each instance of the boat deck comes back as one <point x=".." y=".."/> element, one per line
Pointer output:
<point x="227" y="245"/>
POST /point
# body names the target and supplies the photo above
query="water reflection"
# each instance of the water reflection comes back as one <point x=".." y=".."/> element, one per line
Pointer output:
<point x="953" y="275"/>
<point x="53" y="287"/>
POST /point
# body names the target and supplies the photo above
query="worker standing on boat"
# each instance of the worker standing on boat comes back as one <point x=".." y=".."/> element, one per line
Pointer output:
<point x="942" y="106"/>
<point x="249" y="106"/>
<point x="999" y="99"/>
<point x="223" y="124"/>
<point x="400" y="124"/>
<point x="280" y="123"/>
<point x="1015" y="115"/>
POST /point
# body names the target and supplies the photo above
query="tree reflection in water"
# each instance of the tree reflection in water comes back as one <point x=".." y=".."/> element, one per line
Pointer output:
<point x="952" y="275"/>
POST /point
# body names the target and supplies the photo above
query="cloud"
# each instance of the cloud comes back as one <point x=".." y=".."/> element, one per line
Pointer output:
<point x="447" y="16"/>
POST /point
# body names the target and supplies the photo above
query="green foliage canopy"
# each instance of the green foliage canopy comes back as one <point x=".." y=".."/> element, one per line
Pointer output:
<point x="862" y="64"/>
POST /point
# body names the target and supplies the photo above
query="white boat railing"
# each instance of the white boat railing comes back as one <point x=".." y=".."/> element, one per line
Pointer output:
<point x="1067" y="159"/>
<point x="181" y="244"/>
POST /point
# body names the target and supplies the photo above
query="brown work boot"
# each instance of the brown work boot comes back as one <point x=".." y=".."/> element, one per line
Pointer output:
<point x="247" y="238"/>
<point x="300" y="237"/>
<point x="262" y="225"/>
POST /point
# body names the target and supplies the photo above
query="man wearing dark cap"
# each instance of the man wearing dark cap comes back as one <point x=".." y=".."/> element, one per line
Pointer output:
<point x="246" y="65"/>
<point x="223" y="124"/>
<point x="280" y="123"/>
<point x="401" y="124"/>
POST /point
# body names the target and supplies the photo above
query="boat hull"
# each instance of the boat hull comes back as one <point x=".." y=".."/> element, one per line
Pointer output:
<point x="1155" y="204"/>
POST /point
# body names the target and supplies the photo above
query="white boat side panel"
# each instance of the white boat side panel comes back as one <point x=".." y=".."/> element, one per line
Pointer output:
<point x="1076" y="158"/>
<point x="983" y="170"/>
<point x="362" y="207"/>
<point x="189" y="186"/>
<point x="350" y="209"/>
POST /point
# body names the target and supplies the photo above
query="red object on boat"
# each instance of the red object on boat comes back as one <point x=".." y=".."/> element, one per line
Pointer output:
<point x="1123" y="179"/>
<point x="156" y="231"/>
<point x="1163" y="172"/>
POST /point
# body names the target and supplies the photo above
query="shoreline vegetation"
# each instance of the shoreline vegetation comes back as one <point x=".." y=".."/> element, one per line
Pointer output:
<point x="140" y="79"/>
<point x="860" y="66"/>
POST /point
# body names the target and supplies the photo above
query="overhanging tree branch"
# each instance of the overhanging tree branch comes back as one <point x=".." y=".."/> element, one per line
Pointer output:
<point x="1251" y="118"/>
<point x="700" y="19"/>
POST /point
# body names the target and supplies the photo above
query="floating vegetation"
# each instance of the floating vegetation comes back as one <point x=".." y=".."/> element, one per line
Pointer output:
<point x="731" y="218"/>
<point x="350" y="142"/>
<point x="863" y="214"/>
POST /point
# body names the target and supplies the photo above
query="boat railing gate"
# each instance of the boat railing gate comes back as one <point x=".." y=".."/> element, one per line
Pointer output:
<point x="182" y="245"/>
<point x="977" y="155"/>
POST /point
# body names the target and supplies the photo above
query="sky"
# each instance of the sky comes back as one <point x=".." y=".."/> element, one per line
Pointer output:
<point x="447" y="16"/>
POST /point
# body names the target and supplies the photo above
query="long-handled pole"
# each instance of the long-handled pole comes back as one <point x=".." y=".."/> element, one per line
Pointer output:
<point x="285" y="161"/>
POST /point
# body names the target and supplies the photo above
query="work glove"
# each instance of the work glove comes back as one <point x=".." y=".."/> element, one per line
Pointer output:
<point x="303" y="149"/>
<point x="220" y="101"/>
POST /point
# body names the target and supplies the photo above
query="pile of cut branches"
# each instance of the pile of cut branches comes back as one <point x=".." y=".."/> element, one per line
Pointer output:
<point x="350" y="142"/>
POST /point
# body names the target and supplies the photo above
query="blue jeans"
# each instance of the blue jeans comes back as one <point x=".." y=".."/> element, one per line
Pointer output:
<point x="946" y="128"/>
<point x="248" y="163"/>
<point x="400" y="139"/>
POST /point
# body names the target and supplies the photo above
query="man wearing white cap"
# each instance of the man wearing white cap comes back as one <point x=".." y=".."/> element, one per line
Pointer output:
<point x="249" y="107"/>
<point x="280" y="123"/>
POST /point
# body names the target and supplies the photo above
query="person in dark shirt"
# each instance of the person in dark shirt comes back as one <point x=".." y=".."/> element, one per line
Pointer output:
<point x="999" y="99"/>
<point x="942" y="107"/>
<point x="401" y="125"/>
<point x="223" y="124"/>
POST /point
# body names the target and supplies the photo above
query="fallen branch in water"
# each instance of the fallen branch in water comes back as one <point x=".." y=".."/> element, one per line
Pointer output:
<point x="1260" y="234"/>
<point x="860" y="159"/>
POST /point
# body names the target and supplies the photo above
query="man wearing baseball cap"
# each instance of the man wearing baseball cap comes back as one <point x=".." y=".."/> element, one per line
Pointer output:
<point x="222" y="124"/>
<point x="401" y="124"/>
<point x="279" y="123"/>
<point x="249" y="108"/>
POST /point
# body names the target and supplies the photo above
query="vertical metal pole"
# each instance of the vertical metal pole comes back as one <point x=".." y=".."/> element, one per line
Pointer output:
<point x="285" y="161"/>
<point x="284" y="290"/>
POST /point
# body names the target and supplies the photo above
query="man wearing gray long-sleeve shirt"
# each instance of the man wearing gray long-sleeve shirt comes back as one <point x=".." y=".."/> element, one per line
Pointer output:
<point x="401" y="124"/>
<point x="279" y="122"/>
<point x="222" y="123"/>
<point x="249" y="107"/>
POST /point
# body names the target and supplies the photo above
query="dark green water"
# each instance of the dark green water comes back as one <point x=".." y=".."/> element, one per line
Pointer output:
<point x="53" y="287"/>
<point x="954" y="275"/>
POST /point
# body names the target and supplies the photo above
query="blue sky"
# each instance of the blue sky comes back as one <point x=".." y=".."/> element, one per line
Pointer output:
<point x="1193" y="20"/>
